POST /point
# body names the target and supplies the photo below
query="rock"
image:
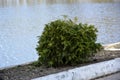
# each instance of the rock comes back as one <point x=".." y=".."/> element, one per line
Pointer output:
<point x="1" y="78"/>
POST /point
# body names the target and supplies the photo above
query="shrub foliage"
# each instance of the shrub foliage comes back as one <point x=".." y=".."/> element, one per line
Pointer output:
<point x="64" y="42"/>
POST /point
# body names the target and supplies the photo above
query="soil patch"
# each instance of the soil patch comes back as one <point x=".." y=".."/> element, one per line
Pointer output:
<point x="28" y="71"/>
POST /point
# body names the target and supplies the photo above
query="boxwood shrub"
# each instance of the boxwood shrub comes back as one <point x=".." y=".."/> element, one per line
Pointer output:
<point x="64" y="42"/>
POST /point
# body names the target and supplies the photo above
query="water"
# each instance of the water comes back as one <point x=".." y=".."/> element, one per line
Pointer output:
<point x="21" y="21"/>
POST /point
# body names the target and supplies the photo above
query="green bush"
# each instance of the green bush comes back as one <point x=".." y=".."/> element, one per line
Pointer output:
<point x="63" y="42"/>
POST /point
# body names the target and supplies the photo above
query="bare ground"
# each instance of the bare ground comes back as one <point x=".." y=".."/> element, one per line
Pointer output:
<point x="28" y="71"/>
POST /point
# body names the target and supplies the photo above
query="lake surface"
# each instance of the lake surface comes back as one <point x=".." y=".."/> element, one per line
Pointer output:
<point x="21" y="21"/>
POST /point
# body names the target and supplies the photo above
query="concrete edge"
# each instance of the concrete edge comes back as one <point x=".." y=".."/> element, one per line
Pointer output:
<point x="112" y="44"/>
<point x="110" y="47"/>
<point x="86" y="72"/>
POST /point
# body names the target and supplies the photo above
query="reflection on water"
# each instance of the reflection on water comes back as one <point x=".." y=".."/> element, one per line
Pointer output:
<point x="21" y="21"/>
<point x="4" y="3"/>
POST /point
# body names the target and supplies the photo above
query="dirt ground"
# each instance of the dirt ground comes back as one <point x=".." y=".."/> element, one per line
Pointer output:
<point x="28" y="71"/>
